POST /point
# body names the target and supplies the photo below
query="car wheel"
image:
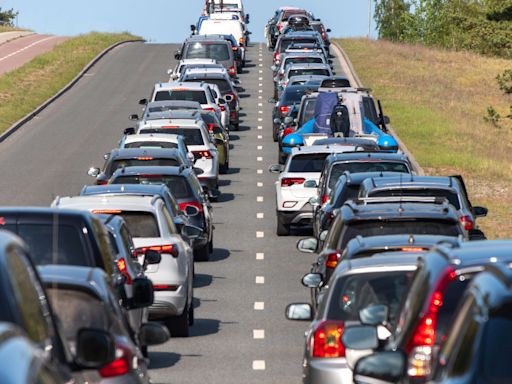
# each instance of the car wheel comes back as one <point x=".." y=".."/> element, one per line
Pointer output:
<point x="178" y="326"/>
<point x="202" y="254"/>
<point x="274" y="133"/>
<point x="210" y="245"/>
<point x="144" y="351"/>
<point x="282" y="229"/>
<point x="281" y="158"/>
<point x="236" y="127"/>
<point x="223" y="169"/>
<point x="191" y="313"/>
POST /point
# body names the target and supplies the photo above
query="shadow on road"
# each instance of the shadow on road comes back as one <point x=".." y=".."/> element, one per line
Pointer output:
<point x="202" y="280"/>
<point x="233" y="137"/>
<point x="244" y="95"/>
<point x="244" y="128"/>
<point x="225" y="197"/>
<point x="219" y="254"/>
<point x="224" y="182"/>
<point x="159" y="360"/>
<point x="204" y="327"/>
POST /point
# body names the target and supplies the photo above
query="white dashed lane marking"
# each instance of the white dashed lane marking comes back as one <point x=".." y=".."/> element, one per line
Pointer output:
<point x="259" y="305"/>
<point x="260" y="235"/>
<point x="259" y="158"/>
<point x="259" y="183"/>
<point x="260" y="279"/>
<point x="260" y="137"/>
<point x="260" y="215"/>
<point x="259" y="171"/>
<point x="258" y="365"/>
<point x="258" y="333"/>
<point x="260" y="256"/>
<point x="260" y="147"/>
<point x="259" y="199"/>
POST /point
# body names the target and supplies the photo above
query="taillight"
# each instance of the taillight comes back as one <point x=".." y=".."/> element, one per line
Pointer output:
<point x="232" y="71"/>
<point x="287" y="131"/>
<point x="121" y="365"/>
<point x="279" y="26"/>
<point x="467" y="222"/>
<point x="284" y="109"/>
<point x="209" y="109"/>
<point x="121" y="265"/>
<point x="232" y="95"/>
<point x="289" y="181"/>
<point x="242" y="41"/>
<point x="332" y="260"/>
<point x="193" y="203"/>
<point x="101" y="182"/>
<point x="276" y="56"/>
<point x="326" y="341"/>
<point x="423" y="339"/>
<point x="165" y="287"/>
<point x="222" y="108"/>
<point x="325" y="198"/>
<point x="281" y="75"/>
<point x="167" y="249"/>
<point x="206" y="154"/>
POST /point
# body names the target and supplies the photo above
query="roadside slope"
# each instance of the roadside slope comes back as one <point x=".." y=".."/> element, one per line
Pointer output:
<point x="436" y="100"/>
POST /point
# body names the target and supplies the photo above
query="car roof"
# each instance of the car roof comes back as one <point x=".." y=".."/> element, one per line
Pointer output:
<point x="204" y="74"/>
<point x="410" y="180"/>
<point x="307" y="66"/>
<point x="195" y="61"/>
<point x="45" y="212"/>
<point x="166" y="153"/>
<point x="109" y="203"/>
<point x="344" y="140"/>
<point x="173" y="114"/>
<point x="143" y="189"/>
<point x="477" y="252"/>
<point x="323" y="149"/>
<point x="380" y="262"/>
<point x="292" y="55"/>
<point x="172" y="103"/>
<point x="172" y="138"/>
<point x="172" y="123"/>
<point x="367" y="156"/>
<point x="359" y="177"/>
<point x="181" y="86"/>
<point x="149" y="170"/>
<point x="206" y="38"/>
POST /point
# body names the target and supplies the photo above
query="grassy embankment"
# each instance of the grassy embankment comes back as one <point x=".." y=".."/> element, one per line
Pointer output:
<point x="6" y="28"/>
<point x="27" y="87"/>
<point x="436" y="100"/>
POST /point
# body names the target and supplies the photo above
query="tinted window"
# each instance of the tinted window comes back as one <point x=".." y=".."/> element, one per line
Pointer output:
<point x="151" y="144"/>
<point x="307" y="163"/>
<point x="141" y="224"/>
<point x="177" y="184"/>
<point x="303" y="60"/>
<point x="496" y="350"/>
<point x="308" y="110"/>
<point x="308" y="71"/>
<point x="355" y="292"/>
<point x="452" y="197"/>
<point x="221" y="83"/>
<point x="401" y="227"/>
<point x="369" y="110"/>
<point x="217" y="51"/>
<point x="192" y="136"/>
<point x="116" y="164"/>
<point x="291" y="96"/>
<point x="364" y="166"/>
<point x="285" y="43"/>
<point x="188" y="95"/>
<point x="348" y="192"/>
<point x="56" y="244"/>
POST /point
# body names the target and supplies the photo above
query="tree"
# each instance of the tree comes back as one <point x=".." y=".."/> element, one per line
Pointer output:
<point x="7" y="17"/>
<point x="392" y="17"/>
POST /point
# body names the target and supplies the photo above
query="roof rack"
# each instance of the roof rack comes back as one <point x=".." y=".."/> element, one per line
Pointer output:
<point x="402" y="199"/>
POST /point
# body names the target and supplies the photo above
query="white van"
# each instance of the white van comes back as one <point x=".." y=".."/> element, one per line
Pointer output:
<point x="224" y="27"/>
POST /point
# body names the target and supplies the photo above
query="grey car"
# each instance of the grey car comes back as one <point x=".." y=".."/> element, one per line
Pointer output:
<point x="355" y="285"/>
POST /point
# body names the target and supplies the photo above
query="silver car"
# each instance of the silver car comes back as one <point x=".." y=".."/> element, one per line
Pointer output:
<point x="354" y="286"/>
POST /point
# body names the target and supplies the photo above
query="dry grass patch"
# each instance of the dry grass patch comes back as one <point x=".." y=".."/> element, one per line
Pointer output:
<point x="437" y="100"/>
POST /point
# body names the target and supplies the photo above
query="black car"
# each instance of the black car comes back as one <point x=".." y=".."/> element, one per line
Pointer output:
<point x="24" y="303"/>
<point x="130" y="157"/>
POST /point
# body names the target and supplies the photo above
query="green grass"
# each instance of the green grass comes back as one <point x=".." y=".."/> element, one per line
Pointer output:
<point x="27" y="87"/>
<point x="436" y="100"/>
<point x="6" y="28"/>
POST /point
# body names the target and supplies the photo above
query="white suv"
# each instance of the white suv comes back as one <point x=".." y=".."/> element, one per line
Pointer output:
<point x="199" y="142"/>
<point x="152" y="228"/>
<point x="189" y="63"/>
<point x="298" y="182"/>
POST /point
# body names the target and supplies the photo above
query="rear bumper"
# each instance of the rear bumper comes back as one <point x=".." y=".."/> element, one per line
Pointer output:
<point x="300" y="217"/>
<point x="327" y="371"/>
<point x="168" y="303"/>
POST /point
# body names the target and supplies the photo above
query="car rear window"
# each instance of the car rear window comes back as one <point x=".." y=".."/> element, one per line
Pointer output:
<point x="335" y="83"/>
<point x="151" y="144"/>
<point x="177" y="184"/>
<point x="140" y="223"/>
<point x="192" y="136"/>
<point x="217" y="51"/>
<point x="165" y="108"/>
<point x="357" y="291"/>
<point x="147" y="161"/>
<point x="221" y="83"/>
<point x="307" y="163"/>
<point x="187" y="95"/>
<point x="291" y="12"/>
<point x="291" y="96"/>
<point x="364" y="166"/>
<point x="452" y="197"/>
<point x="308" y="71"/>
<point x="56" y="244"/>
<point x="348" y="192"/>
<point x="303" y="60"/>
<point x="285" y="43"/>
<point x="399" y="227"/>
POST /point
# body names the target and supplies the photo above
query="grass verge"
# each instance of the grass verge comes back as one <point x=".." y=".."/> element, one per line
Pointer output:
<point x="436" y="100"/>
<point x="6" y="28"/>
<point x="24" y="89"/>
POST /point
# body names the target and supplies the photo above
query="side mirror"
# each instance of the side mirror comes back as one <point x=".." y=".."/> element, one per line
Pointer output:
<point x="310" y="184"/>
<point x="152" y="257"/>
<point x="143" y="295"/>
<point x="134" y="117"/>
<point x="312" y="280"/>
<point x="153" y="334"/>
<point x="273" y="68"/>
<point x="177" y="55"/>
<point x="277" y="121"/>
<point x="308" y="245"/>
<point x="271" y="100"/>
<point x="314" y="201"/>
<point x="93" y="172"/>
<point x="94" y="348"/>
<point x="228" y="98"/>
<point x="198" y="171"/>
<point x="170" y="71"/>
<point x="192" y="27"/>
<point x="222" y="101"/>
<point x="374" y="315"/>
<point x="276" y="168"/>
<point x="217" y="141"/>
<point x="129" y="131"/>
<point x="299" y="312"/>
<point x="360" y="337"/>
<point x="287" y="120"/>
<point x="191" y="211"/>
<point x="191" y="232"/>
<point x="476" y="234"/>
<point x="386" y="120"/>
<point x="385" y="367"/>
<point x="143" y="101"/>
<point x="330" y="61"/>
<point x="106" y="156"/>
<point x="334" y="73"/>
<point x="328" y="30"/>
<point x="323" y="235"/>
<point x="480" y="211"/>
<point x="191" y="157"/>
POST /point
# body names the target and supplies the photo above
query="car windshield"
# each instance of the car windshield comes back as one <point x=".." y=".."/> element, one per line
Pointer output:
<point x="451" y="196"/>
<point x="223" y="84"/>
<point x="291" y="96"/>
<point x="177" y="184"/>
<point x="399" y="227"/>
<point x="151" y="144"/>
<point x="285" y="43"/>
<point x="164" y="108"/>
<point x="307" y="163"/>
<point x="303" y="60"/>
<point x="308" y="71"/>
<point x="192" y="136"/>
<point x="186" y="94"/>
<point x="217" y="51"/>
<point x="365" y="166"/>
<point x="355" y="292"/>
<point x="141" y="223"/>
<point x="495" y="367"/>
<point x="142" y="161"/>
<point x="75" y="310"/>
<point x="56" y="244"/>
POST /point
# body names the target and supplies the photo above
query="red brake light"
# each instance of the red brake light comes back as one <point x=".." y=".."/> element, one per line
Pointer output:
<point x="168" y="249"/>
<point x="332" y="260"/>
<point x="235" y="48"/>
<point x="144" y="158"/>
<point x="207" y="154"/>
<point x="326" y="341"/>
<point x="165" y="287"/>
<point x="284" y="109"/>
<point x="289" y="181"/>
<point x="208" y="109"/>
<point x="121" y="265"/>
<point x="279" y="26"/>
<point x="120" y="366"/>
<point x="232" y="71"/>
<point x="287" y="131"/>
<point x="211" y="127"/>
<point x="325" y="198"/>
<point x="232" y="95"/>
<point x="196" y="204"/>
<point x="467" y="222"/>
<point x="222" y="108"/>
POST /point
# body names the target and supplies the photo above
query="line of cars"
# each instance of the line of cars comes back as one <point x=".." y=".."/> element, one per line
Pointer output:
<point x="94" y="280"/>
<point x="404" y="286"/>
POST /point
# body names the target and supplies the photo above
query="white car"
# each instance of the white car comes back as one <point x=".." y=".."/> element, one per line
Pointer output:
<point x="152" y="228"/>
<point x="199" y="142"/>
<point x="298" y="182"/>
<point x="189" y="63"/>
<point x="224" y="27"/>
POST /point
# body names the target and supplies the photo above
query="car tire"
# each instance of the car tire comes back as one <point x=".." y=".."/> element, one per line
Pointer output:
<point x="191" y="313"/>
<point x="281" y="229"/>
<point x="236" y="127"/>
<point x="274" y="134"/>
<point x="179" y="325"/>
<point x="239" y="69"/>
<point x="223" y="169"/>
<point x="202" y="254"/>
<point x="144" y="351"/>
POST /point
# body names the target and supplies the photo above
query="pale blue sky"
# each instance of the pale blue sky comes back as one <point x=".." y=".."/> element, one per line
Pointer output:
<point x="169" y="20"/>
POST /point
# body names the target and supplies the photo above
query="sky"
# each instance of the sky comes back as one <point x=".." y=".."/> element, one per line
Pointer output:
<point x="167" y="21"/>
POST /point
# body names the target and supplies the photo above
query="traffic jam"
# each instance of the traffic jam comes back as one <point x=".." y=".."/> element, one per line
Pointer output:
<point x="404" y="286"/>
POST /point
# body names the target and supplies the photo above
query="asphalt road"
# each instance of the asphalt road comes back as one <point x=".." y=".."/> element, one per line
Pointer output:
<point x="240" y="335"/>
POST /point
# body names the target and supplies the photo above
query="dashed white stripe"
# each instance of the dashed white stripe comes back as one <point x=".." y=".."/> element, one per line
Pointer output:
<point x="260" y="104"/>
<point x="260" y="256"/>
<point x="260" y="235"/>
<point x="259" y="184"/>
<point x="259" y="171"/>
<point x="260" y="78"/>
<point x="260" y="137"/>
<point x="259" y="305"/>
<point x="260" y="215"/>
<point x="260" y="90"/>
<point x="258" y="365"/>
<point x="260" y="84"/>
<point x="259" y="147"/>
<point x="258" y="333"/>
<point x="260" y="280"/>
<point x="259" y="199"/>
<point x="261" y="71"/>
<point x="259" y="158"/>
